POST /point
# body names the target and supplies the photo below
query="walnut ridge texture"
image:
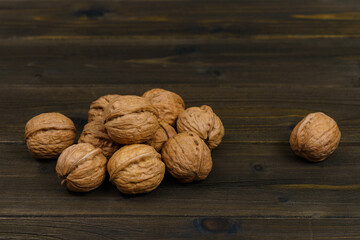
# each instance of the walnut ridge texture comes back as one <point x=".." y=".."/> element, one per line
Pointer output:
<point x="95" y="133"/>
<point x="48" y="134"/>
<point x="315" y="137"/>
<point x="136" y="169"/>
<point x="204" y="122"/>
<point x="131" y="119"/>
<point x="81" y="167"/>
<point x="168" y="104"/>
<point x="97" y="107"/>
<point x="187" y="157"/>
<point x="161" y="136"/>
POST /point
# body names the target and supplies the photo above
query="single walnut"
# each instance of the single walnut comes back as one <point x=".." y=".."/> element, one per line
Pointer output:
<point x="81" y="167"/>
<point x="131" y="119"/>
<point x="204" y="122"/>
<point x="48" y="134"/>
<point x="161" y="136"/>
<point x="316" y="137"/>
<point x="187" y="157"/>
<point x="97" y="107"/>
<point x="136" y="169"/>
<point x="168" y="104"/>
<point x="95" y="133"/>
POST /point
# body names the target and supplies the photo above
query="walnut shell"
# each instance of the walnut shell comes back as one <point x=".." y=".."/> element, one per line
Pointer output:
<point x="97" y="107"/>
<point x="161" y="136"/>
<point x="136" y="169"/>
<point x="95" y="133"/>
<point x="48" y="134"/>
<point x="81" y="167"/>
<point x="315" y="137"/>
<point x="187" y="157"/>
<point x="131" y="119"/>
<point x="204" y="122"/>
<point x="168" y="104"/>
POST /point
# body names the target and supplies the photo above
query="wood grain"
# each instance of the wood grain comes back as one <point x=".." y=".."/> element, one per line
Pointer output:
<point x="250" y="115"/>
<point x="243" y="183"/>
<point x="261" y="65"/>
<point x="167" y="20"/>
<point x="322" y="63"/>
<point x="177" y="228"/>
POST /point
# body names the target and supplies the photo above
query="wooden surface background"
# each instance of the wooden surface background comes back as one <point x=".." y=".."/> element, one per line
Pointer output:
<point x="261" y="65"/>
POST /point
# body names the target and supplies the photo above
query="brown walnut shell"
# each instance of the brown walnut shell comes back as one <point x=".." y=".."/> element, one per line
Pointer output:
<point x="315" y="137"/>
<point x="97" y="107"/>
<point x="161" y="136"/>
<point x="168" y="104"/>
<point x="136" y="169"/>
<point x="131" y="119"/>
<point x="81" y="167"/>
<point x="95" y="133"/>
<point x="48" y="134"/>
<point x="187" y="157"/>
<point x="204" y="122"/>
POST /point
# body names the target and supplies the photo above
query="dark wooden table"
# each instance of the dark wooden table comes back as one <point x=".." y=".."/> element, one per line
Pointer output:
<point x="261" y="65"/>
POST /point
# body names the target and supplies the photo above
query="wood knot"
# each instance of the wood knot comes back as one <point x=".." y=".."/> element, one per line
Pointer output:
<point x="214" y="73"/>
<point x="216" y="29"/>
<point x="283" y="199"/>
<point x="91" y="13"/>
<point x="216" y="225"/>
<point x="185" y="50"/>
<point x="258" y="168"/>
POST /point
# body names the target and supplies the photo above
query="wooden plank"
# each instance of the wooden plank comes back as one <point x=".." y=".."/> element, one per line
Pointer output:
<point x="250" y="115"/>
<point x="177" y="228"/>
<point x="166" y="19"/>
<point x="247" y="180"/>
<point x="291" y="63"/>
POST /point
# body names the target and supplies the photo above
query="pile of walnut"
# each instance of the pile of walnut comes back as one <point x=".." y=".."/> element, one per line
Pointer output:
<point x="130" y="131"/>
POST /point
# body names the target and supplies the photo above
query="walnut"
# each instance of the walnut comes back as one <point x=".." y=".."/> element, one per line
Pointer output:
<point x="161" y="136"/>
<point x="48" y="134"/>
<point x="316" y="137"/>
<point x="131" y="119"/>
<point x="204" y="122"/>
<point x="187" y="157"/>
<point x="95" y="133"/>
<point x="136" y="169"/>
<point x="97" y="107"/>
<point x="168" y="104"/>
<point x="81" y="167"/>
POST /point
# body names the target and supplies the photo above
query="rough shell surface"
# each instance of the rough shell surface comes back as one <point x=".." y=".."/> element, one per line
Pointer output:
<point x="315" y="137"/>
<point x="204" y="122"/>
<point x="168" y="104"/>
<point x="187" y="157"/>
<point x="136" y="169"/>
<point x="48" y="134"/>
<point x="161" y="136"/>
<point x="95" y="133"/>
<point x="131" y="119"/>
<point x="81" y="167"/>
<point x="97" y="107"/>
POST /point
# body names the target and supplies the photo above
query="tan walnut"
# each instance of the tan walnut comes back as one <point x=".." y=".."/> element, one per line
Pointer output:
<point x="97" y="107"/>
<point x="187" y="157"/>
<point x="168" y="104"/>
<point x="131" y="119"/>
<point x="315" y="137"/>
<point x="95" y="133"/>
<point x="161" y="136"/>
<point x="136" y="169"/>
<point x="48" y="134"/>
<point x="204" y="122"/>
<point x="81" y="167"/>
